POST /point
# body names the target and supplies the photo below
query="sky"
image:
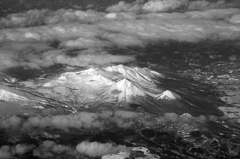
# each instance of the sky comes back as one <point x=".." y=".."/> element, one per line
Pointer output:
<point x="82" y="38"/>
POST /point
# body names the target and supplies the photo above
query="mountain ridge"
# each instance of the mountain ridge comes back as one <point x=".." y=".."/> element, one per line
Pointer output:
<point x="118" y="84"/>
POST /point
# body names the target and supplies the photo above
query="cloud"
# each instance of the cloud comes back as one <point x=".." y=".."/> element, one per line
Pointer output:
<point x="123" y="40"/>
<point x="46" y="17"/>
<point x="49" y="32"/>
<point x="95" y="149"/>
<point x="23" y="54"/>
<point x="121" y="15"/>
<point x="48" y="149"/>
<point x="80" y="120"/>
<point x="7" y="151"/>
<point x="84" y="36"/>
<point x="92" y="58"/>
<point x="186" y="118"/>
<point x="205" y="5"/>
<point x="29" y="18"/>
<point x="21" y="149"/>
<point x="125" y="7"/>
<point x="98" y="121"/>
<point x="153" y="6"/>
<point x="84" y="43"/>
<point x="163" y="5"/>
<point x="174" y="29"/>
<point x="235" y="19"/>
<point x="75" y="35"/>
<point x="39" y="55"/>
<point x="12" y="122"/>
<point x="213" y="14"/>
<point x="125" y="114"/>
<point x="150" y="6"/>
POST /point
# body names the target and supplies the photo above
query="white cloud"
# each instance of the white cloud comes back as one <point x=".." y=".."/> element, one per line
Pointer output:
<point x="89" y="35"/>
<point x="123" y="40"/>
<point x="160" y="16"/>
<point x="186" y="118"/>
<point x="125" y="7"/>
<point x="163" y="5"/>
<point x="125" y="114"/>
<point x="81" y="120"/>
<point x="93" y="121"/>
<point x="190" y="30"/>
<point x="121" y="15"/>
<point x="205" y="5"/>
<point x="5" y="152"/>
<point x="95" y="149"/>
<point x="235" y="19"/>
<point x="12" y="122"/>
<point x="39" y="55"/>
<point x="84" y="43"/>
<point x="86" y="58"/>
<point x="30" y="45"/>
<point x="213" y="14"/>
<point x="150" y="6"/>
<point x="48" y="149"/>
<point x="42" y="17"/>
<point x="21" y="149"/>
<point x="29" y="18"/>
<point x="49" y="33"/>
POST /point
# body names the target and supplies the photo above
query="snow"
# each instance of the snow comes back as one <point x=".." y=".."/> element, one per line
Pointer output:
<point x="8" y="96"/>
<point x="128" y="90"/>
<point x="117" y="83"/>
<point x="168" y="95"/>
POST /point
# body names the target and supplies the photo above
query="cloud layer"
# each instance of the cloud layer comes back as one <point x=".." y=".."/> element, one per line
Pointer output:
<point x="26" y="38"/>
<point x="166" y="6"/>
<point x="84" y="122"/>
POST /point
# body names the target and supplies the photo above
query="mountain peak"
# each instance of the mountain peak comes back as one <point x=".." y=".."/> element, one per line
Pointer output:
<point x="134" y="73"/>
<point x="112" y="84"/>
<point x="128" y="90"/>
<point x="168" y="95"/>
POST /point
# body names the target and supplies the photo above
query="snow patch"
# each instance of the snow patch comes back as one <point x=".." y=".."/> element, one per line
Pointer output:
<point x="168" y="95"/>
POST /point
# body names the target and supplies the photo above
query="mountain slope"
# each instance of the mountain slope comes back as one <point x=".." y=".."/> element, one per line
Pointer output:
<point x="119" y="84"/>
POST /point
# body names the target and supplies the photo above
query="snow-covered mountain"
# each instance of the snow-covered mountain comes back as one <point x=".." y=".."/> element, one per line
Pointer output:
<point x="114" y="84"/>
<point x="9" y="93"/>
<point x="168" y="95"/>
<point x="10" y="96"/>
